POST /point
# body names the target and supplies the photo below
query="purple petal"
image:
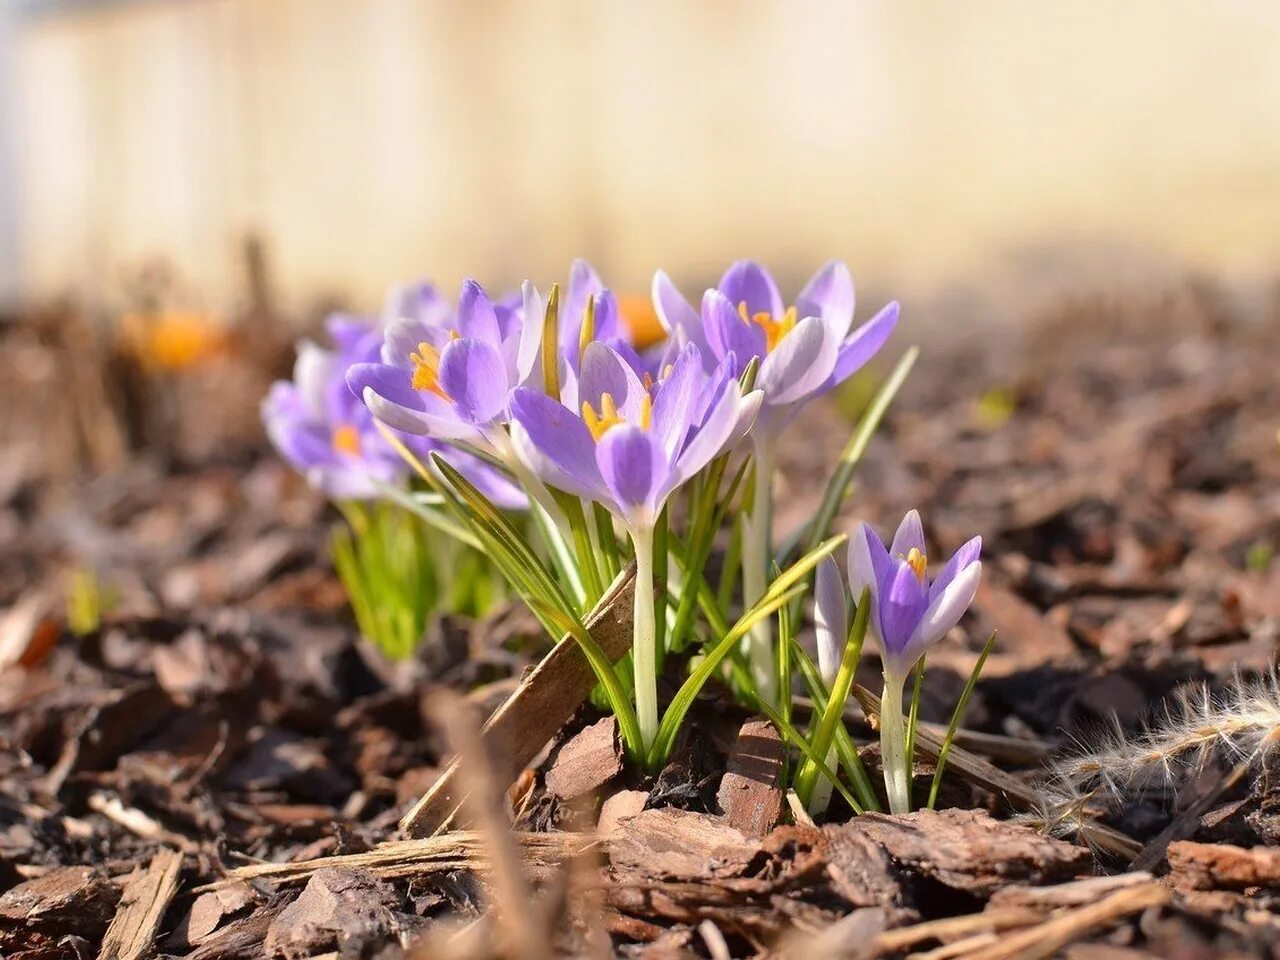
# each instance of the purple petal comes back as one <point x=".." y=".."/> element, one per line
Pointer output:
<point x="402" y="337"/>
<point x="748" y="282"/>
<point x="829" y="295"/>
<point x="604" y="371"/>
<point x="674" y="401"/>
<point x="944" y="611"/>
<point x="967" y="554"/>
<point x="676" y="315"/>
<point x="910" y="534"/>
<point x="528" y="369"/>
<point x="296" y="434"/>
<point x="417" y="301"/>
<point x="474" y="375"/>
<point x="711" y="438"/>
<point x="634" y="468"/>
<point x="798" y="365"/>
<point x="312" y="369"/>
<point x="902" y="603"/>
<point x="387" y="391"/>
<point x="476" y="317"/>
<point x="727" y="333"/>
<point x="488" y="479"/>
<point x="863" y="344"/>
<point x="608" y="322"/>
<point x="555" y="444"/>
<point x="869" y="562"/>
<point x="831" y="618"/>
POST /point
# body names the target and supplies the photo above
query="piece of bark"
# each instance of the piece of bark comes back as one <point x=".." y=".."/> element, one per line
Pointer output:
<point x="543" y="703"/>
<point x="750" y="795"/>
<point x="679" y="845"/>
<point x="208" y="912"/>
<point x="1075" y="893"/>
<point x="241" y="939"/>
<point x="1210" y="866"/>
<point x="146" y="897"/>
<point x="618" y="808"/>
<point x="586" y="762"/>
<point x="75" y="901"/>
<point x="966" y="850"/>
<point x="335" y="907"/>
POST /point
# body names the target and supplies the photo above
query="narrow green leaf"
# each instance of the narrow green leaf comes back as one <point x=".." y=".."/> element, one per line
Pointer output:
<point x="811" y="756"/>
<point x="551" y="344"/>
<point x="913" y="715"/>
<point x="956" y="716"/>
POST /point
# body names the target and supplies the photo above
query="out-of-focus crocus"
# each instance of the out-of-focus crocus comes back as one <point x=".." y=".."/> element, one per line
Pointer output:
<point x="329" y="436"/>
<point x="630" y="445"/>
<point x="909" y="613"/>
<point x="831" y="631"/>
<point x="804" y="351"/>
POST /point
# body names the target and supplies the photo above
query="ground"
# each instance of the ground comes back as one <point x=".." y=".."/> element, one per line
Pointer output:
<point x="217" y="768"/>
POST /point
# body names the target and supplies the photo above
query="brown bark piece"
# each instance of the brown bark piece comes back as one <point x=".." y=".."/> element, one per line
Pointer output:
<point x="586" y="762"/>
<point x="146" y="897"/>
<point x="678" y="845"/>
<point x="750" y="794"/>
<point x="963" y="849"/>
<point x="209" y="911"/>
<point x="336" y="905"/>
<point x="1209" y="866"/>
<point x="73" y="900"/>
<point x="543" y="703"/>
<point x="620" y="807"/>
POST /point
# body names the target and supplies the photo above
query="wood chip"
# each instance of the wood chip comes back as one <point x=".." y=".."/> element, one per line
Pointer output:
<point x="1210" y="866"/>
<point x="146" y="897"/>
<point x="543" y="703"/>
<point x="618" y="808"/>
<point x="336" y="906"/>
<point x="78" y="901"/>
<point x="750" y="794"/>
<point x="586" y="762"/>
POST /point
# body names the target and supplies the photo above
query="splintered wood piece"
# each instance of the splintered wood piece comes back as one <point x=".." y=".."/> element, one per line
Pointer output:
<point x="540" y="706"/>
<point x="1046" y="939"/>
<point x="1222" y="866"/>
<point x="459" y="850"/>
<point x="586" y="762"/>
<point x="143" y="903"/>
<point x="750" y="792"/>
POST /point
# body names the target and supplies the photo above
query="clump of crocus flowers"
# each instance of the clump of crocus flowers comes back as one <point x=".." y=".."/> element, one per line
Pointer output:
<point x="534" y="429"/>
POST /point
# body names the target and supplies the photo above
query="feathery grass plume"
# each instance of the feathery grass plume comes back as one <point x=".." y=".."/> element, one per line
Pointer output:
<point x="1241" y="724"/>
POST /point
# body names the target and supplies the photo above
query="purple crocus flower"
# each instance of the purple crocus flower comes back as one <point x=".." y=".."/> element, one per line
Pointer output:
<point x="804" y="351"/>
<point x="635" y="442"/>
<point x="908" y="615"/>
<point x="448" y="380"/>
<point x="329" y="436"/>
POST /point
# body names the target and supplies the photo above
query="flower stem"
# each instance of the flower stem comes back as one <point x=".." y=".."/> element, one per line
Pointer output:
<point x="756" y="556"/>
<point x="893" y="746"/>
<point x="644" y="639"/>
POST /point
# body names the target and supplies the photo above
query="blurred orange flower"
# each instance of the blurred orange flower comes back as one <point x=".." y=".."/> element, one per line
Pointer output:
<point x="641" y="319"/>
<point x="173" y="340"/>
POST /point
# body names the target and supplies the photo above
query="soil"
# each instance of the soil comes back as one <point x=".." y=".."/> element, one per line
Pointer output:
<point x="221" y="768"/>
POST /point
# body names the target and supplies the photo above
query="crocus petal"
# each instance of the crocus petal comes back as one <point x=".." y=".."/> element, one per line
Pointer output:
<point x="476" y="317"/>
<point x="967" y="554"/>
<point x="402" y="337"/>
<point x="485" y="477"/>
<point x="748" y="414"/>
<point x="607" y="317"/>
<point x="634" y="469"/>
<point x="311" y="370"/>
<point x="727" y="333"/>
<point x="901" y="605"/>
<point x="863" y="344"/>
<point x="712" y="437"/>
<point x="677" y="316"/>
<point x="831" y="618"/>
<point x="869" y="563"/>
<point x="528" y="369"/>
<point x="555" y="444"/>
<point x="944" y="611"/>
<point x="603" y="371"/>
<point x="748" y="282"/>
<point x="910" y="534"/>
<point x="417" y="301"/>
<point x="798" y="365"/>
<point x="674" y="403"/>
<point x="292" y="430"/>
<point x="473" y="374"/>
<point x="829" y="295"/>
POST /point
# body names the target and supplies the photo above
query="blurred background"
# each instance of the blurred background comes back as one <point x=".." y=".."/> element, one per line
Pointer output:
<point x="203" y="175"/>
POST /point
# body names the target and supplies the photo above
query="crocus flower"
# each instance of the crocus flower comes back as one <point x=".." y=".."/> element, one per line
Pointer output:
<point x="831" y="632"/>
<point x="329" y="436"/>
<point x="630" y="446"/>
<point x="909" y="613"/>
<point x="804" y="351"/>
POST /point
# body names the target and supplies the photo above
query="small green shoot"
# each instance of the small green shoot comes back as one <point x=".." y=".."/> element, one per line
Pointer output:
<point x="956" y="716"/>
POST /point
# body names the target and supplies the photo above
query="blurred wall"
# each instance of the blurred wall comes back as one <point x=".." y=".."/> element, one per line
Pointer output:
<point x="933" y="145"/>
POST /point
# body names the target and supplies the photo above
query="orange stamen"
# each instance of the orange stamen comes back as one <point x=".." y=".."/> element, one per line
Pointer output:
<point x="918" y="562"/>
<point x="346" y="439"/>
<point x="426" y="369"/>
<point x="774" y="330"/>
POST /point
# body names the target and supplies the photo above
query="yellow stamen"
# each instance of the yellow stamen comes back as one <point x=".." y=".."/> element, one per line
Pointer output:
<point x="601" y="423"/>
<point x="647" y="380"/>
<point x="774" y="330"/>
<point x="426" y="370"/>
<point x="588" y="331"/>
<point x="918" y="562"/>
<point x="346" y="439"/>
<point x="646" y="412"/>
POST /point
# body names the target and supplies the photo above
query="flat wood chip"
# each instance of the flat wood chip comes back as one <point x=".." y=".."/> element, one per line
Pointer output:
<point x="750" y="794"/>
<point x="146" y="897"/>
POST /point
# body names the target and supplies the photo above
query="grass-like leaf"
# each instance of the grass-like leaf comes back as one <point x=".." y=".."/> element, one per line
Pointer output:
<point x="799" y="741"/>
<point x="956" y="716"/>
<point x="913" y="714"/>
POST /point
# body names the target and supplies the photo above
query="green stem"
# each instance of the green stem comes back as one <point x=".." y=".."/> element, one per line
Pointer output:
<point x="756" y="556"/>
<point x="893" y="745"/>
<point x="644" y="639"/>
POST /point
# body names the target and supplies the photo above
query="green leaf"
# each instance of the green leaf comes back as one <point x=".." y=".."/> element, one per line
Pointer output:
<point x="782" y="590"/>
<point x="811" y="756"/>
<point x="956" y="715"/>
<point x="913" y="714"/>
